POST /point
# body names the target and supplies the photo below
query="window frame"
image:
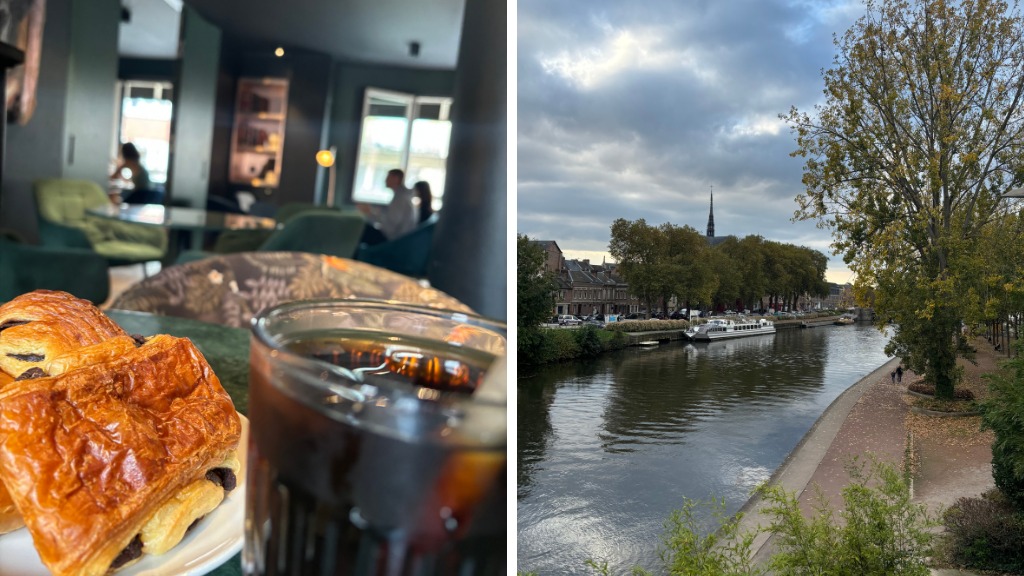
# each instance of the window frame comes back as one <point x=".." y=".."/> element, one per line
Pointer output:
<point x="413" y="105"/>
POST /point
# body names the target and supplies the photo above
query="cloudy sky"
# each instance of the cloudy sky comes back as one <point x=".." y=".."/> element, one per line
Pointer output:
<point x="637" y="108"/>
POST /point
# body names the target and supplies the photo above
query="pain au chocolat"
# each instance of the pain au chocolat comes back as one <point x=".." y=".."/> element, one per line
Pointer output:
<point x="115" y="458"/>
<point x="51" y="332"/>
<point x="48" y="333"/>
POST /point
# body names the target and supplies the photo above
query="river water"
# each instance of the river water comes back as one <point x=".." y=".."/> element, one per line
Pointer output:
<point x="607" y="448"/>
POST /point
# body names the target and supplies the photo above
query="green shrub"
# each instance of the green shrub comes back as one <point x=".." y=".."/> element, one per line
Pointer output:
<point x="985" y="533"/>
<point x="561" y="345"/>
<point x="1001" y="413"/>
<point x="882" y="532"/>
<point x="685" y="551"/>
<point x="532" y="345"/>
<point x="588" y="342"/>
<point x="647" y="325"/>
<point x="614" y="340"/>
<point x="722" y="552"/>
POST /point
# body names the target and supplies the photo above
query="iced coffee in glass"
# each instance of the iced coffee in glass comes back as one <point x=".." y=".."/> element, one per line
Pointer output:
<point x="377" y="441"/>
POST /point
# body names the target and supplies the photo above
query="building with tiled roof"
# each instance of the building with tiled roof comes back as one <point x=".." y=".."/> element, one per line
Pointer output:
<point x="585" y="288"/>
<point x="554" y="261"/>
<point x="594" y="289"/>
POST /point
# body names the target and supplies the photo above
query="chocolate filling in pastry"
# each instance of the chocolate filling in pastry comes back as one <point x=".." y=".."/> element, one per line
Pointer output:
<point x="12" y="323"/>
<point x="139" y="339"/>
<point x="33" y="372"/>
<point x="222" y="477"/>
<point x="28" y="357"/>
<point x="131" y="552"/>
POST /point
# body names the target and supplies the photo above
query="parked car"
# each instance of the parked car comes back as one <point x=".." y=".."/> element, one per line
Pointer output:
<point x="568" y="320"/>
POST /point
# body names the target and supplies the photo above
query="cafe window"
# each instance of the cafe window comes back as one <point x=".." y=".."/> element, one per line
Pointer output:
<point x="402" y="131"/>
<point x="144" y="119"/>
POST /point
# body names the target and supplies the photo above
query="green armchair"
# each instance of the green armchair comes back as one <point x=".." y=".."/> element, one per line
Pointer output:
<point x="330" y="232"/>
<point x="24" y="268"/>
<point x="62" y="206"/>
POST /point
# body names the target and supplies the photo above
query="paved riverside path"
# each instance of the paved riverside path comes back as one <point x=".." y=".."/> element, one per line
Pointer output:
<point x="869" y="418"/>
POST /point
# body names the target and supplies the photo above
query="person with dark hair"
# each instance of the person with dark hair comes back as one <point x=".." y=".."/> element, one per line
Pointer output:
<point x="396" y="219"/>
<point x="132" y="160"/>
<point x="422" y="189"/>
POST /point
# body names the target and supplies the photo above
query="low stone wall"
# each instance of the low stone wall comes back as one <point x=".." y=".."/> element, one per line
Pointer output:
<point x="814" y="322"/>
<point x="635" y="338"/>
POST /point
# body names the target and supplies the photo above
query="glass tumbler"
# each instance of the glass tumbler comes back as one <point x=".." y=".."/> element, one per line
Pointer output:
<point x="377" y="441"/>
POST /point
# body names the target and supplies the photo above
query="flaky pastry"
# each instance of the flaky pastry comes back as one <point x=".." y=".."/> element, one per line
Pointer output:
<point x="91" y="455"/>
<point x="42" y="326"/>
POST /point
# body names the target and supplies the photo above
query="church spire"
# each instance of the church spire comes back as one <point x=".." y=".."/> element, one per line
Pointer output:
<point x="711" y="215"/>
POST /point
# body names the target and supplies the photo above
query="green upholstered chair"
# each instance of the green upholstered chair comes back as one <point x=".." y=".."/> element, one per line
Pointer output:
<point x="25" y="267"/>
<point x="330" y="232"/>
<point x="63" y="222"/>
<point x="233" y="241"/>
<point x="407" y="255"/>
<point x="288" y="210"/>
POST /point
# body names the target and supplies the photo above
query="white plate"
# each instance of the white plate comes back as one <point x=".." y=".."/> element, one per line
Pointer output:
<point x="212" y="542"/>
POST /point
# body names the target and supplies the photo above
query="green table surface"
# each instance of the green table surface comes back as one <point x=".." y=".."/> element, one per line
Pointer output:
<point x="227" y="351"/>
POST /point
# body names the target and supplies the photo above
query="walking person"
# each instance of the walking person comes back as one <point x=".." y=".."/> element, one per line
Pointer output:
<point x="892" y="376"/>
<point x="899" y="374"/>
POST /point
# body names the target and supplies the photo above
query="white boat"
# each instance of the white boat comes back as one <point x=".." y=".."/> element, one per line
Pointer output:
<point x="723" y="329"/>
<point x="844" y="320"/>
<point x="648" y="343"/>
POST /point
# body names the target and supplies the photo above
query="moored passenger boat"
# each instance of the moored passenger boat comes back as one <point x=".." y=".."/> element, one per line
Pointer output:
<point x="723" y="329"/>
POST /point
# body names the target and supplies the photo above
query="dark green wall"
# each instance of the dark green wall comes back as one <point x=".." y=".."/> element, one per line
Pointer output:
<point x="92" y="75"/>
<point x="195" y="94"/>
<point x="350" y="82"/>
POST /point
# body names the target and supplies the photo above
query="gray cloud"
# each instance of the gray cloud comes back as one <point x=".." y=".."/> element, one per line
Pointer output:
<point x="635" y="109"/>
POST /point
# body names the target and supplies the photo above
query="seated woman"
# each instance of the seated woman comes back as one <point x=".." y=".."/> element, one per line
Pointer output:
<point x="422" y="189"/>
<point x="142" y="191"/>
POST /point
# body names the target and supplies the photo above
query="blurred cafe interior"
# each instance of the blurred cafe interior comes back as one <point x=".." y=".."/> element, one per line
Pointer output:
<point x="262" y="125"/>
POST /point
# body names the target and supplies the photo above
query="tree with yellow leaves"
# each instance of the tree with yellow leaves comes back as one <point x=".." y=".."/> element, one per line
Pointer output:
<point x="920" y="134"/>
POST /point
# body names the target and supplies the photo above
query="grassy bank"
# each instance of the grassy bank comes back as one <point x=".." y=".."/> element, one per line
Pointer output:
<point x="544" y="345"/>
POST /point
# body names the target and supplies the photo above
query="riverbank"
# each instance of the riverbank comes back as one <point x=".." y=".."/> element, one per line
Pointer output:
<point x="952" y="459"/>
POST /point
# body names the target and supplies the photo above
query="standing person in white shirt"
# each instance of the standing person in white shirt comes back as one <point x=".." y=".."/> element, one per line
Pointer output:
<point x="396" y="219"/>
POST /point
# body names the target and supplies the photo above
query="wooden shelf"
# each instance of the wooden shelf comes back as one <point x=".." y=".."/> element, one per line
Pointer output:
<point x="257" y="140"/>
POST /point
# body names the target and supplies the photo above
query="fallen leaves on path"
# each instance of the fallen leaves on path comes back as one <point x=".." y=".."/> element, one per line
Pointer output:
<point x="955" y="431"/>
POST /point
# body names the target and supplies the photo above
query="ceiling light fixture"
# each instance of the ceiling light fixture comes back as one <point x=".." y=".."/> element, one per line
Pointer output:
<point x="279" y="52"/>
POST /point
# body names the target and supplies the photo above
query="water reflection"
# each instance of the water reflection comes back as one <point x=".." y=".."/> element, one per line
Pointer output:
<point x="607" y="448"/>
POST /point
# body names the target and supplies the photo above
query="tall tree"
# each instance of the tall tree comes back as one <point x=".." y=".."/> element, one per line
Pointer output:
<point x="920" y="134"/>
<point x="693" y="274"/>
<point x="534" y="286"/>
<point x="640" y="251"/>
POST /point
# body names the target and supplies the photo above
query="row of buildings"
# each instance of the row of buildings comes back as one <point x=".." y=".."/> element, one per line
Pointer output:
<point x="585" y="288"/>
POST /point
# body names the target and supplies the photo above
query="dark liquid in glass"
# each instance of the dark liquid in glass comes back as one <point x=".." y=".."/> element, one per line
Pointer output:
<point x="333" y="490"/>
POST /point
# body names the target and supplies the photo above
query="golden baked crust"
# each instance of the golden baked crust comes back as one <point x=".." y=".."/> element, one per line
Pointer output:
<point x="90" y="455"/>
<point x="9" y="518"/>
<point x="41" y="326"/>
<point x="168" y="524"/>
